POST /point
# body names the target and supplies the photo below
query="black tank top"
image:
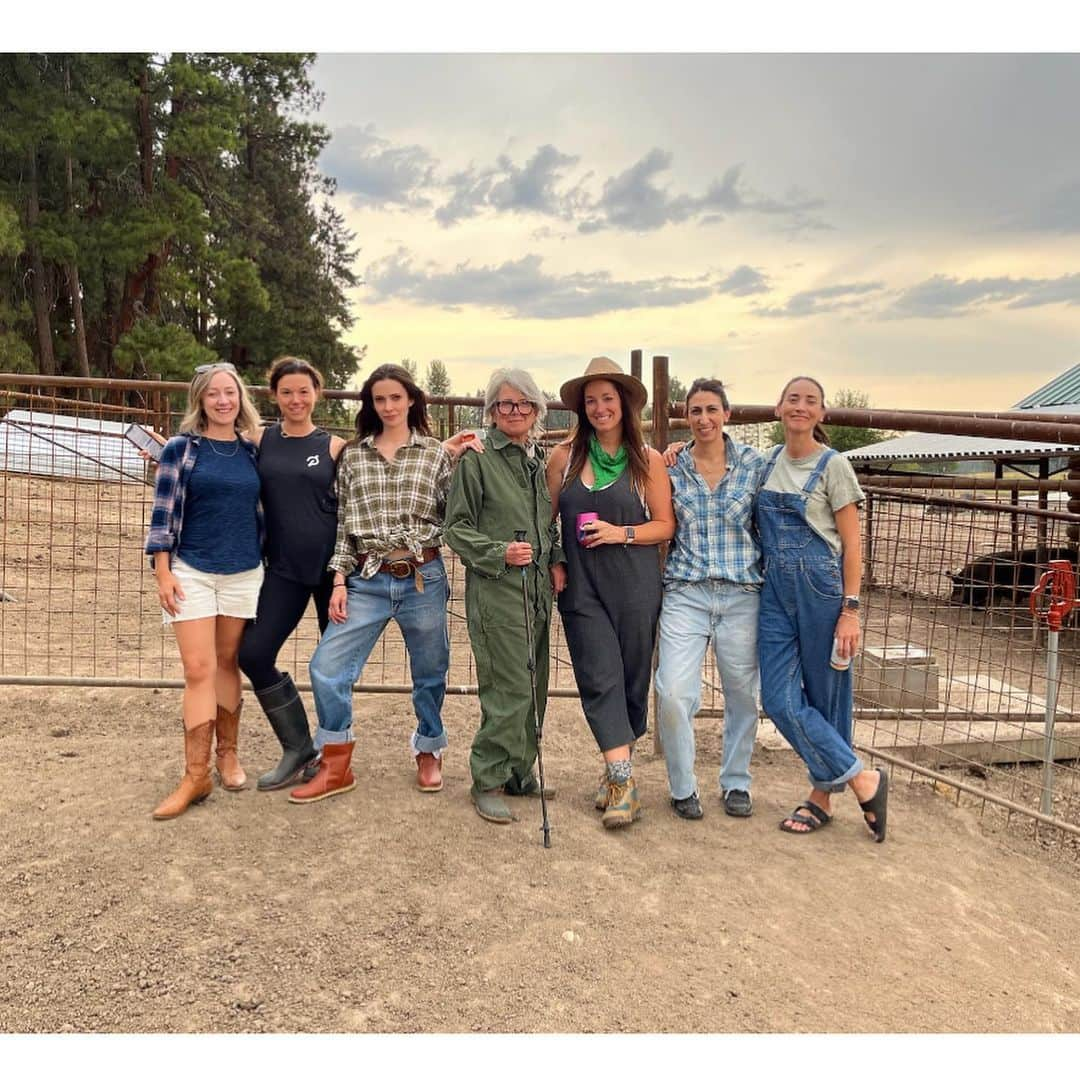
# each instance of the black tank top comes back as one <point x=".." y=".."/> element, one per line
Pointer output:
<point x="297" y="476"/>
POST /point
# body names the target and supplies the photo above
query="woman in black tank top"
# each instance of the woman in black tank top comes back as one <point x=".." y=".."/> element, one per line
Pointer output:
<point x="614" y="497"/>
<point x="296" y="464"/>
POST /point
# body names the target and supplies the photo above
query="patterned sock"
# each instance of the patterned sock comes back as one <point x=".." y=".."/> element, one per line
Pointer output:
<point x="618" y="771"/>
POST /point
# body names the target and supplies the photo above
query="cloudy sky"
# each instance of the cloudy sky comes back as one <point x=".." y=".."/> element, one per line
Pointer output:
<point x="903" y="225"/>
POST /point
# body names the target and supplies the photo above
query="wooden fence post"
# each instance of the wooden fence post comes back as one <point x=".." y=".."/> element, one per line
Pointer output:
<point x="660" y="413"/>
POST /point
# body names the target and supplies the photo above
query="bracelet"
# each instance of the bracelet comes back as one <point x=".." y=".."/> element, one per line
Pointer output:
<point x="848" y="611"/>
<point x="341" y="584"/>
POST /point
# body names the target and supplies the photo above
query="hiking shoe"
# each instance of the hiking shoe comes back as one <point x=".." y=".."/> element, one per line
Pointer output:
<point x="623" y="806"/>
<point x="603" y="792"/>
<point x="738" y="803"/>
<point x="689" y="808"/>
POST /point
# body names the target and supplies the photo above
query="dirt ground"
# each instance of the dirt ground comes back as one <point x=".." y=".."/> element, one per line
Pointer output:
<point x="386" y="910"/>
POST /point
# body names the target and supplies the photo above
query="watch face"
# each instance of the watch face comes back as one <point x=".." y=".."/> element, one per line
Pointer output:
<point x="851" y="603"/>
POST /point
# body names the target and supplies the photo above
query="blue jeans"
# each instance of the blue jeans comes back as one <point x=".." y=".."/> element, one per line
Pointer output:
<point x="345" y="647"/>
<point x="693" y="614"/>
<point x="808" y="700"/>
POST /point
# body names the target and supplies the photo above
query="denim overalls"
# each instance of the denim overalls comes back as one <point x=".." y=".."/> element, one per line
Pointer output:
<point x="807" y="699"/>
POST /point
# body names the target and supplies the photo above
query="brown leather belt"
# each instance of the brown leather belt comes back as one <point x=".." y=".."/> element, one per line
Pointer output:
<point x="403" y="568"/>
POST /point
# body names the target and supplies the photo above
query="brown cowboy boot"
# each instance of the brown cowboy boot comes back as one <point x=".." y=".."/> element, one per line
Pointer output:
<point x="333" y="778"/>
<point x="428" y="772"/>
<point x="231" y="775"/>
<point x="195" y="784"/>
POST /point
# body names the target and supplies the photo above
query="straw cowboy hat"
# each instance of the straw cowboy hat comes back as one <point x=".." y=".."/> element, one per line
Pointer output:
<point x="600" y="367"/>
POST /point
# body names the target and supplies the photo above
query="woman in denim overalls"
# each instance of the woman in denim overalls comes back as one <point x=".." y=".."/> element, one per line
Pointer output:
<point x="810" y="599"/>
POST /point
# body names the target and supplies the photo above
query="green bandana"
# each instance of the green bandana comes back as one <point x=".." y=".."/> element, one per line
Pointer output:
<point x="607" y="468"/>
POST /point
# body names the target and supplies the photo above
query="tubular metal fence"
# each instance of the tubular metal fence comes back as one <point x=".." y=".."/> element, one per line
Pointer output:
<point x="951" y="685"/>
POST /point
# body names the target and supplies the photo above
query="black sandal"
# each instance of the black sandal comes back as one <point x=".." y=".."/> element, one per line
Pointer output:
<point x="818" y="821"/>
<point x="878" y="806"/>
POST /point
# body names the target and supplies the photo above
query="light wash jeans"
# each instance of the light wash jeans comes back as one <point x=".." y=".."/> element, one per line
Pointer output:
<point x="693" y="614"/>
<point x="345" y="647"/>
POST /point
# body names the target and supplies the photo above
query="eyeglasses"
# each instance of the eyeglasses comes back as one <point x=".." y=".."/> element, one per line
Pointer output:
<point x="221" y="365"/>
<point x="508" y="408"/>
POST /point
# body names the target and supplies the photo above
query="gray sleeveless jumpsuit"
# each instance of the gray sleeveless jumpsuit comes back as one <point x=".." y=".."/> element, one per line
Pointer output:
<point x="609" y="610"/>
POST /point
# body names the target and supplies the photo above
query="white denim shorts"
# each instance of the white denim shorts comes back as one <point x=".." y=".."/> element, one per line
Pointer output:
<point x="207" y="595"/>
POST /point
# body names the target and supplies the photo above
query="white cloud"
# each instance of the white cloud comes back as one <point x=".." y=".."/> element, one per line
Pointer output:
<point x="522" y="288"/>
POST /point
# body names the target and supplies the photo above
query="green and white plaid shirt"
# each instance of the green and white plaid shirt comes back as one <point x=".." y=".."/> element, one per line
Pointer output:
<point x="386" y="506"/>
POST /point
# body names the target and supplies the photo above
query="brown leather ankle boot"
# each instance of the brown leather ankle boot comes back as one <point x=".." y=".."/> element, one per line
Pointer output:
<point x="195" y="784"/>
<point x="231" y="775"/>
<point x="333" y="778"/>
<point x="428" y="772"/>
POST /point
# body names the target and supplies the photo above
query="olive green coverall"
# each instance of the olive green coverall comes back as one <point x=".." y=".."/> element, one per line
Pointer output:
<point x="492" y="495"/>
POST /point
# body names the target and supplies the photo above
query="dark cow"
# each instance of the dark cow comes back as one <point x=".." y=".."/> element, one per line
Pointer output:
<point x="1003" y="576"/>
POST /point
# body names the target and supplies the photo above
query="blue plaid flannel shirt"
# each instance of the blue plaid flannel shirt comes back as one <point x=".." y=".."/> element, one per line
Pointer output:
<point x="170" y="491"/>
<point x="714" y="531"/>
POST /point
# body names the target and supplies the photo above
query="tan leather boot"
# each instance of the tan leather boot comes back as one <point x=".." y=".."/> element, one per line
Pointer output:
<point x="231" y="775"/>
<point x="195" y="784"/>
<point x="428" y="772"/>
<point x="333" y="778"/>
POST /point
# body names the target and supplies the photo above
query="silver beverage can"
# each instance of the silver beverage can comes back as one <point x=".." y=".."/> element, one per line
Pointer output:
<point x="836" y="661"/>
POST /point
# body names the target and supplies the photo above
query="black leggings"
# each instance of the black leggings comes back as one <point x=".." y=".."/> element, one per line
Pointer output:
<point x="282" y="604"/>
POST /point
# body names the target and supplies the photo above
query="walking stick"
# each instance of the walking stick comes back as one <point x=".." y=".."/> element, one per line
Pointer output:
<point x="519" y="537"/>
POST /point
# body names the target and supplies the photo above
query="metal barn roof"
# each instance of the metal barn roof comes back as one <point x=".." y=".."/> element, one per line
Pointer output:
<point x="935" y="447"/>
<point x="1062" y="390"/>
<point x="50" y="444"/>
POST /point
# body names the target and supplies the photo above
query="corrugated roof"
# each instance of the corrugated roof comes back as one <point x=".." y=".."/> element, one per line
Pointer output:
<point x="935" y="447"/>
<point x="51" y="444"/>
<point x="1063" y="389"/>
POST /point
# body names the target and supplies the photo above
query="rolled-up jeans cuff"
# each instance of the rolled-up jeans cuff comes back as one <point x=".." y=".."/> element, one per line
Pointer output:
<point x="323" y="736"/>
<point x="834" y="787"/>
<point x="428" y="744"/>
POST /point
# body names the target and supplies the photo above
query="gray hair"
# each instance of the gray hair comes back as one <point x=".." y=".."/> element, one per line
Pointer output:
<point x="521" y="381"/>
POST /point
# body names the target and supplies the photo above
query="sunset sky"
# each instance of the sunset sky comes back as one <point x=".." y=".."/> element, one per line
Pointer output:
<point x="903" y="225"/>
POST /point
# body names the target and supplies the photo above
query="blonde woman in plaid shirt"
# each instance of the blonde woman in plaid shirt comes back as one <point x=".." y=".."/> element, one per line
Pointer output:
<point x="712" y="587"/>
<point x="392" y="483"/>
<point x="205" y="540"/>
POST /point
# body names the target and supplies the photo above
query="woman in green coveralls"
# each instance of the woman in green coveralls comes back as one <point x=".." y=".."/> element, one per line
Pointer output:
<point x="492" y="496"/>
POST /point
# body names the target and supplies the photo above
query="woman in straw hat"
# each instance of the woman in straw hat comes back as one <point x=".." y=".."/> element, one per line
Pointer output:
<point x="614" y="498"/>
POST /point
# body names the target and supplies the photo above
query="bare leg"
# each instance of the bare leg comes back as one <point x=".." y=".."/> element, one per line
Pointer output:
<point x="198" y="654"/>
<point x="227" y="634"/>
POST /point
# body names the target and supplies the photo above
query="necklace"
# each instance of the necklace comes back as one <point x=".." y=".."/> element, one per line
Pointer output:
<point x="221" y="453"/>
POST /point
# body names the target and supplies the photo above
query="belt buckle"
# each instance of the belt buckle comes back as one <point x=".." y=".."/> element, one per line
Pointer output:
<point x="400" y="568"/>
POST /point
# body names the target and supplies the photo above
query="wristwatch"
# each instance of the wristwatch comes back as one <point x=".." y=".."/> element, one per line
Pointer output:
<point x="630" y="534"/>
<point x="851" y="603"/>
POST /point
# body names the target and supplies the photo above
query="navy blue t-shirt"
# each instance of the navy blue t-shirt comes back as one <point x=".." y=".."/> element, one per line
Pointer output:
<point x="221" y="530"/>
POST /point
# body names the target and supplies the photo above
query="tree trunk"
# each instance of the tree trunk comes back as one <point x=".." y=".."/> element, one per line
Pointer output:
<point x="82" y="360"/>
<point x="46" y="356"/>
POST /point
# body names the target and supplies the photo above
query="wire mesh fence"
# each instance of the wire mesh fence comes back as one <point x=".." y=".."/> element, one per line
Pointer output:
<point x="951" y="684"/>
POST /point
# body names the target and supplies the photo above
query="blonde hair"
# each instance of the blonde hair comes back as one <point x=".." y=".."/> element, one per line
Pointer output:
<point x="194" y="420"/>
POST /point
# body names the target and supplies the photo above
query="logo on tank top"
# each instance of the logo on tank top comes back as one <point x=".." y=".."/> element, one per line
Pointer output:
<point x="312" y="461"/>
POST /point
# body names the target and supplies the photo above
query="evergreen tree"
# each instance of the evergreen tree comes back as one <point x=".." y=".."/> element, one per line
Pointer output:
<point x="161" y="211"/>
<point x="437" y="384"/>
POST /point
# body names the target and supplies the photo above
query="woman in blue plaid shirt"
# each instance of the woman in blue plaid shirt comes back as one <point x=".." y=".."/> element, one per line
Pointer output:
<point x="205" y="540"/>
<point x="712" y="586"/>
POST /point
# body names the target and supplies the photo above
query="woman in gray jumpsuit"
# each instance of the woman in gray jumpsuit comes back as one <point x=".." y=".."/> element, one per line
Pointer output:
<point x="614" y="498"/>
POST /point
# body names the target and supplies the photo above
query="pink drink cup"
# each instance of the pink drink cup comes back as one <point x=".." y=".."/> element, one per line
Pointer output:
<point x="583" y="520"/>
